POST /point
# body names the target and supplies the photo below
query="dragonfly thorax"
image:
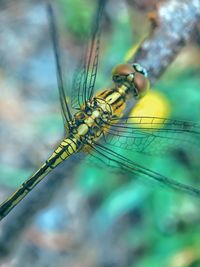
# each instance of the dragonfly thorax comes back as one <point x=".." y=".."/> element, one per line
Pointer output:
<point x="89" y="123"/>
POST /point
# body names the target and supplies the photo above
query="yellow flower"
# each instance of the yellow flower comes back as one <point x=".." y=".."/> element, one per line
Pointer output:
<point x="153" y="105"/>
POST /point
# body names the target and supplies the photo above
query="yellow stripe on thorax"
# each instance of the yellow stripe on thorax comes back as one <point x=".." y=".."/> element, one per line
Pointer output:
<point x="116" y="99"/>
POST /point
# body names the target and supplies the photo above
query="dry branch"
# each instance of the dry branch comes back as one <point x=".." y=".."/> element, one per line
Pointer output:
<point x="177" y="21"/>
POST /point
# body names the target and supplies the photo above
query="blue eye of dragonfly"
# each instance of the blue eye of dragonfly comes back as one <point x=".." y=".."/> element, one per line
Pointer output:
<point x="140" y="69"/>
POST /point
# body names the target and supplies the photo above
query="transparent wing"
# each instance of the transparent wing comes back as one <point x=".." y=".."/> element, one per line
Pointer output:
<point x="56" y="49"/>
<point x="152" y="135"/>
<point x="114" y="160"/>
<point x="86" y="72"/>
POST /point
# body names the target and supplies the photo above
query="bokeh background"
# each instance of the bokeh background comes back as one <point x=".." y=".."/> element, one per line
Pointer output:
<point x="95" y="216"/>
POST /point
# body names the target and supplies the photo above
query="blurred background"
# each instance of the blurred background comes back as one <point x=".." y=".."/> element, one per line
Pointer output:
<point x="90" y="216"/>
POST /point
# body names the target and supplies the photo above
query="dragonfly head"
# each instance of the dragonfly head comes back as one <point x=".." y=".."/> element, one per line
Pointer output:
<point x="135" y="76"/>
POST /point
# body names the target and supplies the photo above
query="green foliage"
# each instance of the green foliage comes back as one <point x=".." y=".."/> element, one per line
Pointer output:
<point x="77" y="16"/>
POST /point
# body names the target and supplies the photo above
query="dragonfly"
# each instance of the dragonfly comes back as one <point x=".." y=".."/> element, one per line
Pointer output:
<point x="99" y="123"/>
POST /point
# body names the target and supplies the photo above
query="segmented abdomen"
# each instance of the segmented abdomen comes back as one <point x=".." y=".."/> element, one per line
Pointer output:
<point x="66" y="148"/>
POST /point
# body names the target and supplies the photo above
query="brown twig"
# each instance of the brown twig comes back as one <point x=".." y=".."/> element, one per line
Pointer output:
<point x="177" y="21"/>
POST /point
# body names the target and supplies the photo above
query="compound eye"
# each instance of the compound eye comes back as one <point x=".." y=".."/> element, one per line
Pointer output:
<point x="141" y="84"/>
<point x="138" y="68"/>
<point x="121" y="72"/>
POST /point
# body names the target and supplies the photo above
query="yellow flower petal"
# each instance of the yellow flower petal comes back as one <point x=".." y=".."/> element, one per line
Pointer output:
<point x="153" y="104"/>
